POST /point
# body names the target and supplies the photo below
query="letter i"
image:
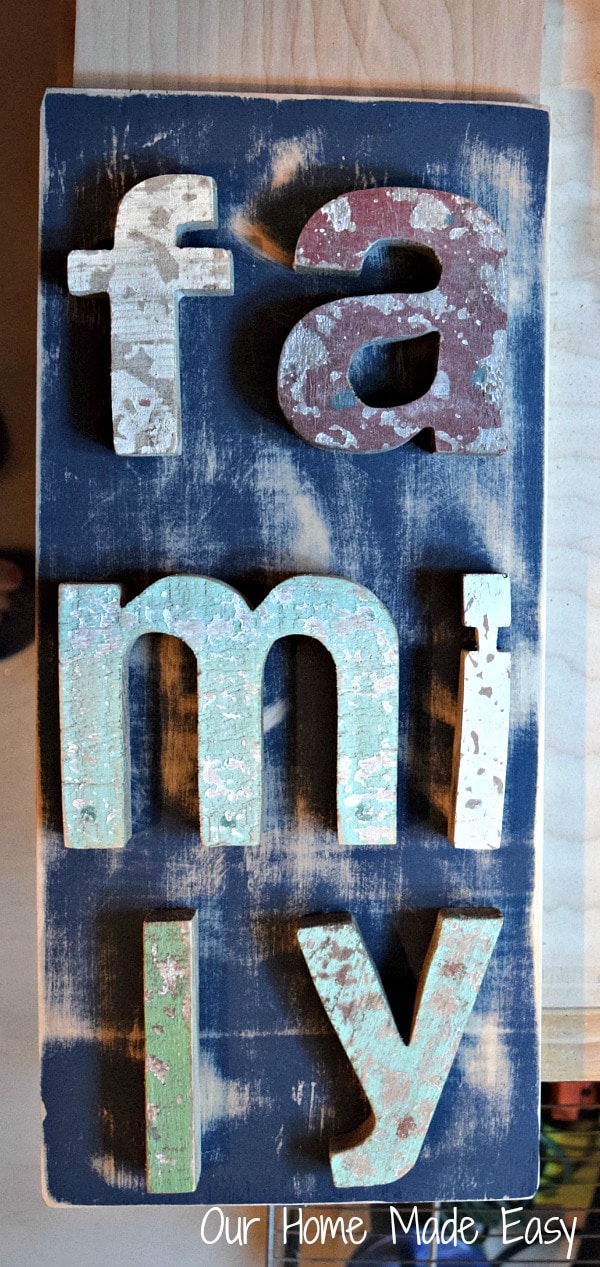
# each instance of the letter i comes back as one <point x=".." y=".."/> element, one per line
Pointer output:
<point x="171" y="1032"/>
<point x="481" y="738"/>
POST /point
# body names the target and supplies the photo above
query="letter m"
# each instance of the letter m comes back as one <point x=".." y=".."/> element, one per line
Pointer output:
<point x="231" y="644"/>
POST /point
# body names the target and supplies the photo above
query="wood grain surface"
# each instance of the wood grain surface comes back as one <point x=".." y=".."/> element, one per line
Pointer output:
<point x="462" y="48"/>
<point x="441" y="46"/>
<point x="251" y="504"/>
<point x="571" y="962"/>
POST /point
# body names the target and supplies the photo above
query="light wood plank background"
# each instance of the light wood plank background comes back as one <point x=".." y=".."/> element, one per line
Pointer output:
<point x="571" y="955"/>
<point x="493" y="49"/>
<point x="488" y="47"/>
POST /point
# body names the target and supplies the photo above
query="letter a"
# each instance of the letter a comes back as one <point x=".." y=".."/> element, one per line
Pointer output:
<point x="467" y="310"/>
<point x="403" y="1082"/>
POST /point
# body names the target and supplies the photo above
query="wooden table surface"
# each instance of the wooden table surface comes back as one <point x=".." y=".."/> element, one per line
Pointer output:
<point x="495" y="50"/>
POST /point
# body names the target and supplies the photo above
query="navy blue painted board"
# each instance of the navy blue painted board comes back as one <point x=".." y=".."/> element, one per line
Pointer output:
<point x="250" y="503"/>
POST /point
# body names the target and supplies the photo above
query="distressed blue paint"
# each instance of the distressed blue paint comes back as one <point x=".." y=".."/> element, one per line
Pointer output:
<point x="237" y="507"/>
<point x="231" y="644"/>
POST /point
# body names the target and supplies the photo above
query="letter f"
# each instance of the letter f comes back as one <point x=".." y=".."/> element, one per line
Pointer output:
<point x="144" y="275"/>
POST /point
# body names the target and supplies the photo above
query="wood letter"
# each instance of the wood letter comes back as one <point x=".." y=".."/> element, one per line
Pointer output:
<point x="467" y="309"/>
<point x="481" y="737"/>
<point x="145" y="274"/>
<point x="231" y="644"/>
<point x="403" y="1082"/>
<point x="172" y="1066"/>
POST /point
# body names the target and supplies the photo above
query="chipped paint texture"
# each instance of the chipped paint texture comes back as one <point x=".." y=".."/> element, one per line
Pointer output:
<point x="251" y="505"/>
<point x="403" y="1082"/>
<point x="231" y="644"/>
<point x="172" y="1062"/>
<point x="144" y="274"/>
<point x="481" y="740"/>
<point x="467" y="309"/>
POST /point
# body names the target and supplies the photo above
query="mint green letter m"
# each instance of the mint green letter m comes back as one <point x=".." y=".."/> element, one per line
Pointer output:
<point x="231" y="644"/>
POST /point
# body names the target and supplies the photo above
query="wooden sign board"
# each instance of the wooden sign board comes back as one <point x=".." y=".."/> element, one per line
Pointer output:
<point x="230" y="977"/>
